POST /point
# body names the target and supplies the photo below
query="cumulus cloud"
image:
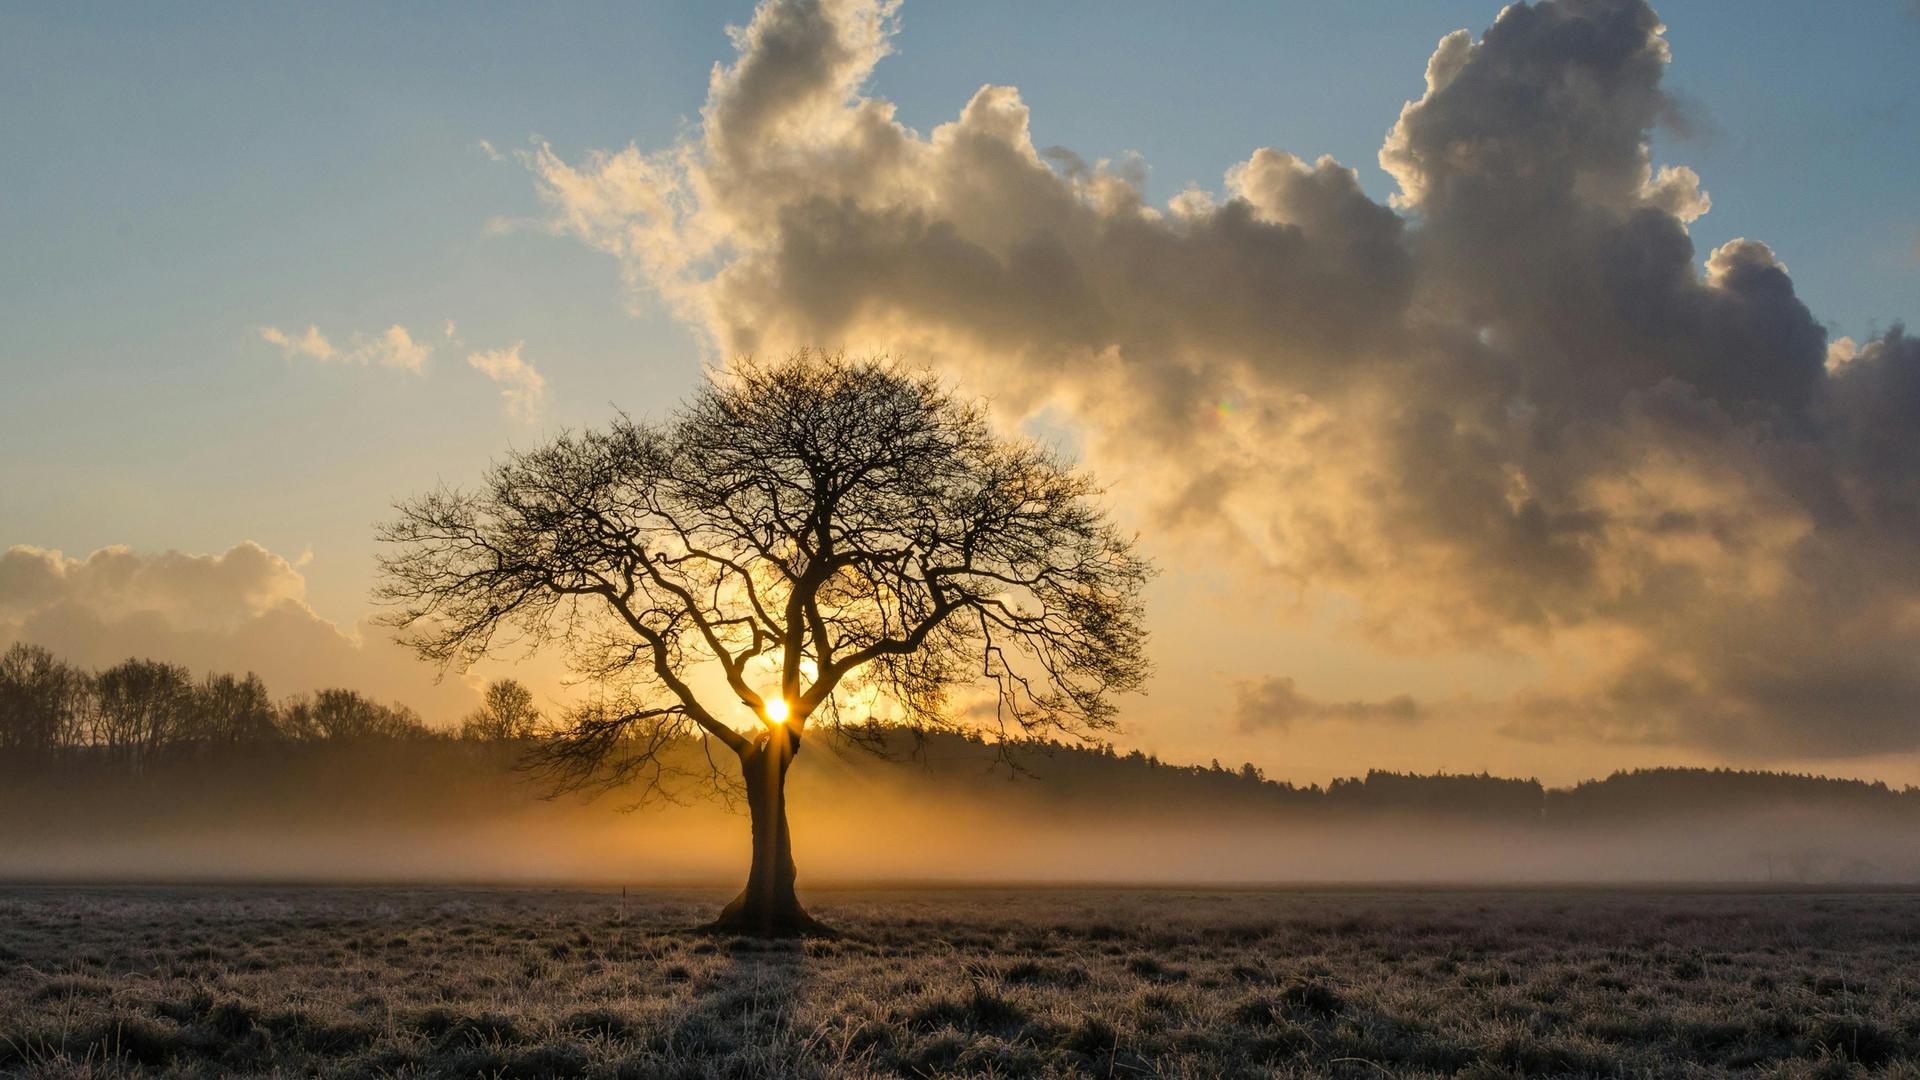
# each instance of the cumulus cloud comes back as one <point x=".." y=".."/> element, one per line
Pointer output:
<point x="1510" y="408"/>
<point x="521" y="387"/>
<point x="1274" y="703"/>
<point x="244" y="609"/>
<point x="393" y="347"/>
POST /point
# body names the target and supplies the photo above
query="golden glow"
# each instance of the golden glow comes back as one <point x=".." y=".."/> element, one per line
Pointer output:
<point x="777" y="710"/>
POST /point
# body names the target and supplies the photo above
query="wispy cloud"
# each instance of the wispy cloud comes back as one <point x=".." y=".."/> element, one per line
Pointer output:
<point x="522" y="388"/>
<point x="311" y="344"/>
<point x="396" y="348"/>
<point x="393" y="347"/>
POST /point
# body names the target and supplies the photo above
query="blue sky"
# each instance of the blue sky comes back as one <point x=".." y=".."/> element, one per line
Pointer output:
<point x="178" y="178"/>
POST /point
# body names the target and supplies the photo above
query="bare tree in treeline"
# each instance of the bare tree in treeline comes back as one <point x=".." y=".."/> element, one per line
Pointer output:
<point x="343" y="714"/>
<point x="815" y="536"/>
<point x="506" y="714"/>
<point x="41" y="701"/>
<point x="237" y="710"/>
<point x="140" y="706"/>
<point x="137" y="710"/>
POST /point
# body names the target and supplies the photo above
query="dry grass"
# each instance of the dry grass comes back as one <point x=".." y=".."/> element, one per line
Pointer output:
<point x="511" y="983"/>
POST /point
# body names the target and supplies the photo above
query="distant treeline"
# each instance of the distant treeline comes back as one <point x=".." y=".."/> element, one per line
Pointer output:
<point x="141" y="714"/>
<point x="1639" y="793"/>
<point x="139" y="711"/>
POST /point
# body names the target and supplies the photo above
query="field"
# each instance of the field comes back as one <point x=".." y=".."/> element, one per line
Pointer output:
<point x="524" y="983"/>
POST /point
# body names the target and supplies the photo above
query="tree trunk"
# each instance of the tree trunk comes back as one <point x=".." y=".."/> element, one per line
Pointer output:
<point x="768" y="906"/>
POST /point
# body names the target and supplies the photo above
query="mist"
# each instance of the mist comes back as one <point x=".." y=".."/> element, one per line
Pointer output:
<point x="454" y="811"/>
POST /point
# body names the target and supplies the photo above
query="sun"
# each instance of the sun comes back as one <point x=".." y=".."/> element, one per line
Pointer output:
<point x="777" y="709"/>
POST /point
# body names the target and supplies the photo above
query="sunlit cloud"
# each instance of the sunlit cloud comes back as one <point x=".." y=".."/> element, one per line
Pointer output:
<point x="393" y="347"/>
<point x="1511" y="409"/>
<point x="311" y="344"/>
<point x="522" y="388"/>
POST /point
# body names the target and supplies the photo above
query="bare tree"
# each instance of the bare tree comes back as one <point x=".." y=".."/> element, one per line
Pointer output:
<point x="338" y="715"/>
<point x="506" y="713"/>
<point x="140" y="708"/>
<point x="42" y="700"/>
<point x="231" y="710"/>
<point x="827" y="541"/>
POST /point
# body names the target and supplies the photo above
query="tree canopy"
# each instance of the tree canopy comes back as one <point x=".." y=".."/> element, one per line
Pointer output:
<point x="842" y="525"/>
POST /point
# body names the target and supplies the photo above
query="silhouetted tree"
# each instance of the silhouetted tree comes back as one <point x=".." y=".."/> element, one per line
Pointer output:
<point x="344" y="716"/>
<point x="853" y="530"/>
<point x="42" y="700"/>
<point x="140" y="706"/>
<point x="229" y="710"/>
<point x="506" y="712"/>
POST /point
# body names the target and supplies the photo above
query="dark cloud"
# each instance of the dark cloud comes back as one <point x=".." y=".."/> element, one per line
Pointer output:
<point x="1514" y="408"/>
<point x="1274" y="703"/>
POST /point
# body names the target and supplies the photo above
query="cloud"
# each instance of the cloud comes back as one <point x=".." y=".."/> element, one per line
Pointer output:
<point x="392" y="347"/>
<point x="1274" y="703"/>
<point x="241" y="610"/>
<point x="521" y="387"/>
<point x="396" y="348"/>
<point x="1512" y="408"/>
<point x="312" y="344"/>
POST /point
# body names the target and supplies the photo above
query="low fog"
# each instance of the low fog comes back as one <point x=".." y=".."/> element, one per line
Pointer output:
<point x="457" y="811"/>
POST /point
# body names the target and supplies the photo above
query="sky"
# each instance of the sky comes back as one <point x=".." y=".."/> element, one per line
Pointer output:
<point x="1489" y="453"/>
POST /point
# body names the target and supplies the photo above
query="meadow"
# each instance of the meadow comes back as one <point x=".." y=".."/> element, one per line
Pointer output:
<point x="383" y="981"/>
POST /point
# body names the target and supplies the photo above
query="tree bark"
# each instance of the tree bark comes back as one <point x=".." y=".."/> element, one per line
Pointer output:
<point x="768" y="906"/>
